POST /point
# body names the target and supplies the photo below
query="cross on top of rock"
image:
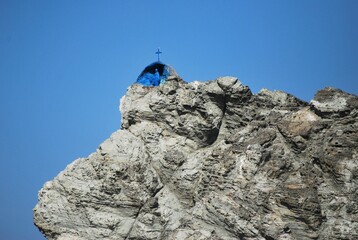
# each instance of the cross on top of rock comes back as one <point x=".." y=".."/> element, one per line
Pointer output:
<point x="158" y="52"/>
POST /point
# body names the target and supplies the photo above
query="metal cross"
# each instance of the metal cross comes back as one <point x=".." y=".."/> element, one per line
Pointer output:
<point x="158" y="52"/>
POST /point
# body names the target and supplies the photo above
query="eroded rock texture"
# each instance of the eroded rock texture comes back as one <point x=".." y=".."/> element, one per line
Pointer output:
<point x="213" y="161"/>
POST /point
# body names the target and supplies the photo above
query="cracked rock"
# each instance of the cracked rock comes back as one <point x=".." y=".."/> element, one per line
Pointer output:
<point x="211" y="160"/>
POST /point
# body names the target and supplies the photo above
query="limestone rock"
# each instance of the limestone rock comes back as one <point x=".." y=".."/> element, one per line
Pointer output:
<point x="213" y="161"/>
<point x="334" y="102"/>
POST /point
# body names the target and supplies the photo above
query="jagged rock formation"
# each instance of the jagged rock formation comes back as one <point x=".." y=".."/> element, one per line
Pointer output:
<point x="213" y="161"/>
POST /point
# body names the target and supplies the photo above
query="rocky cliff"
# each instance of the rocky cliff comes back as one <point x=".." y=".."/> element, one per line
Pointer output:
<point x="213" y="161"/>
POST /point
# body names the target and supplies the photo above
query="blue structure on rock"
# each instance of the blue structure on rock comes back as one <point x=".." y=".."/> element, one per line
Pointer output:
<point x="155" y="74"/>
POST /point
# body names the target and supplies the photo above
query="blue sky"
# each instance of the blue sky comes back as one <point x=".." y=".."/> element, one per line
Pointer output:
<point x="65" y="64"/>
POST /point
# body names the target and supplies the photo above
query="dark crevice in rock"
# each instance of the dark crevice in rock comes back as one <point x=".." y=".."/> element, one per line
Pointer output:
<point x="268" y="237"/>
<point x="324" y="114"/>
<point x="140" y="210"/>
<point x="212" y="136"/>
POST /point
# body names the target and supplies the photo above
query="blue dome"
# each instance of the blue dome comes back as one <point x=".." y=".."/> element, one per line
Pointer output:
<point x="155" y="74"/>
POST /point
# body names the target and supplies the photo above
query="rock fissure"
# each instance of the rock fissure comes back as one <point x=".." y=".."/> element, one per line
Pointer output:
<point x="139" y="212"/>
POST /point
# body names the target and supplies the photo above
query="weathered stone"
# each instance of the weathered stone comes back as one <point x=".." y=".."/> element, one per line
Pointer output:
<point x="213" y="161"/>
<point x="226" y="82"/>
<point x="334" y="102"/>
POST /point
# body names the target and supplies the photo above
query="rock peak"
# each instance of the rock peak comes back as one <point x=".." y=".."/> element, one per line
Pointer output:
<point x="212" y="160"/>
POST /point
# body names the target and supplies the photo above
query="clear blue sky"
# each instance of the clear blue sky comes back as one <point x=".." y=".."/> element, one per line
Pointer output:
<point x="65" y="64"/>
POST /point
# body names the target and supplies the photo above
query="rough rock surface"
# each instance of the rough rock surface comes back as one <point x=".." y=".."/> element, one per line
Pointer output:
<point x="213" y="161"/>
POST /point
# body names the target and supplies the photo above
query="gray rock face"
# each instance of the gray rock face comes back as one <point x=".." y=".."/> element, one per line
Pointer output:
<point x="213" y="161"/>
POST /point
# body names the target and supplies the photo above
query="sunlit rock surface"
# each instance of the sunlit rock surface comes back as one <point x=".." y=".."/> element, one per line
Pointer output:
<point x="210" y="160"/>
